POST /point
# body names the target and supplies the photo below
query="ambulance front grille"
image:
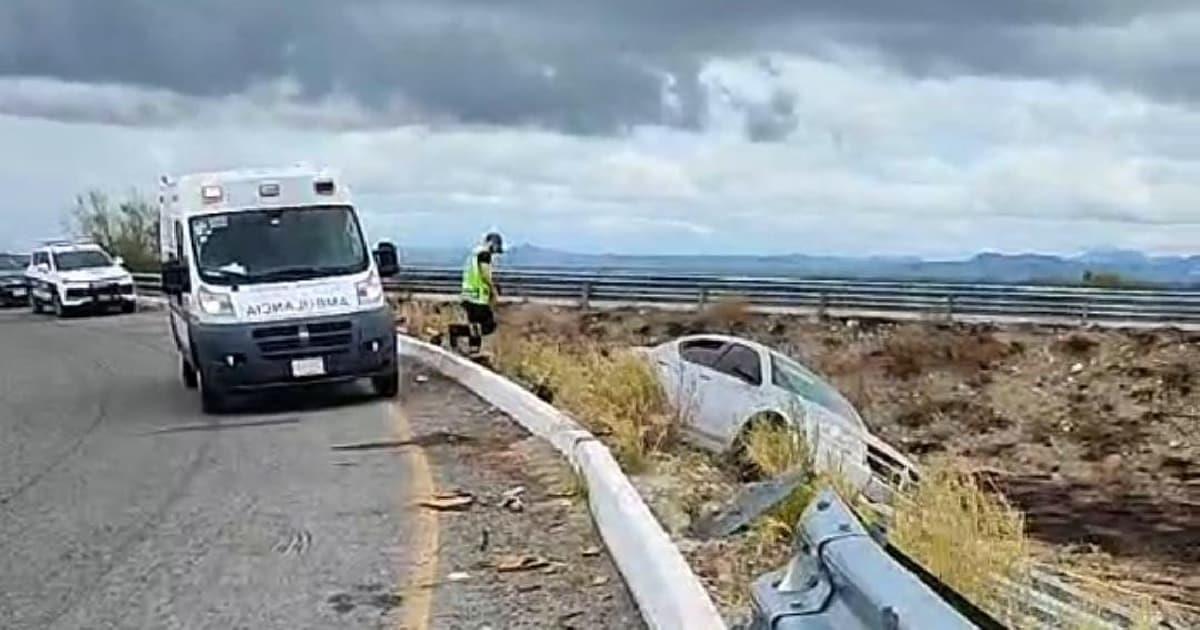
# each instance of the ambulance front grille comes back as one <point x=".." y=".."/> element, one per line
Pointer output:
<point x="304" y="340"/>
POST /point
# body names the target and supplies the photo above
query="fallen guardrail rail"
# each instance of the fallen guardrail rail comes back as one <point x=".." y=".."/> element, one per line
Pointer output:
<point x="901" y="300"/>
<point x="846" y="575"/>
<point x="841" y="577"/>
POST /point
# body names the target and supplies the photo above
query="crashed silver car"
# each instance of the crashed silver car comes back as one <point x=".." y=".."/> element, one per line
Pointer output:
<point x="722" y="384"/>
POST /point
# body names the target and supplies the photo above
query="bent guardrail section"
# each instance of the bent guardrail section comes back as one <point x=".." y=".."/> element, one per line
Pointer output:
<point x="841" y="578"/>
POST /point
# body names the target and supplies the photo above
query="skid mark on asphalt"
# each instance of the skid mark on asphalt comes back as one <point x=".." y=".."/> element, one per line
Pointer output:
<point x="423" y="564"/>
<point x="212" y="426"/>
<point x="437" y="438"/>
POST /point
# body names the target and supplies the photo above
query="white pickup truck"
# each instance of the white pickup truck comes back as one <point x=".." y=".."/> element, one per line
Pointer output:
<point x="66" y="276"/>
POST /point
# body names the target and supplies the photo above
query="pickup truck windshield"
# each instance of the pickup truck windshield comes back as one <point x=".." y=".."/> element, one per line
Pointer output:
<point x="278" y="245"/>
<point x="70" y="261"/>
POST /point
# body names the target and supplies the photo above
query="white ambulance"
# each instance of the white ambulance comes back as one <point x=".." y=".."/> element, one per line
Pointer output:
<point x="270" y="282"/>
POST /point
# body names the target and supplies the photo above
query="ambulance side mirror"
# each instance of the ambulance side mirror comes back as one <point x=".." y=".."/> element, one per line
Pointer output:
<point x="386" y="260"/>
<point x="175" y="278"/>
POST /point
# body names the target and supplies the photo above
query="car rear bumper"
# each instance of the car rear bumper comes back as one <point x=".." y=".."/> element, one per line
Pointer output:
<point x="247" y="357"/>
<point x="14" y="294"/>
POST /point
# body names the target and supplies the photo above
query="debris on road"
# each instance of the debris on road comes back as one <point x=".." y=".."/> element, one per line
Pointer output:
<point x="511" y="499"/>
<point x="458" y="576"/>
<point x="600" y="580"/>
<point x="421" y="378"/>
<point x="451" y="501"/>
<point x="590" y="552"/>
<point x="512" y="564"/>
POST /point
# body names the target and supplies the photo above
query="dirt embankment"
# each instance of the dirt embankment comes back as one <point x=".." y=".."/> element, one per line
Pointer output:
<point x="1094" y="433"/>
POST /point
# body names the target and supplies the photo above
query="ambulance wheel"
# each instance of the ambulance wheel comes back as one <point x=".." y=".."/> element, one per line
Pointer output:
<point x="188" y="373"/>
<point x="388" y="385"/>
<point x="212" y="399"/>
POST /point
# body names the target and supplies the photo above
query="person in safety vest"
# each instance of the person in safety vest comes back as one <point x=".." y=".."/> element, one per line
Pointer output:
<point x="479" y="293"/>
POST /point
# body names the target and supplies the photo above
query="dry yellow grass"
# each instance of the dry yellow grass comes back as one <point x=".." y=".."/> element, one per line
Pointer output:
<point x="966" y="536"/>
<point x="613" y="392"/>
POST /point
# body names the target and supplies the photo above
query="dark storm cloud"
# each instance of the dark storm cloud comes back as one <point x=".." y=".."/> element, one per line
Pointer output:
<point x="585" y="67"/>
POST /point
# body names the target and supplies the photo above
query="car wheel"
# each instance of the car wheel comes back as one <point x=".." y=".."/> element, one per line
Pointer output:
<point x="129" y="307"/>
<point x="388" y="385"/>
<point x="188" y="373"/>
<point x="212" y="399"/>
<point x="742" y="457"/>
<point x="34" y="304"/>
<point x="60" y="311"/>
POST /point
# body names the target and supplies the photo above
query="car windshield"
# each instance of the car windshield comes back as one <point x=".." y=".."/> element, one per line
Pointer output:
<point x="278" y="244"/>
<point x="11" y="263"/>
<point x="82" y="259"/>
<point x="797" y="379"/>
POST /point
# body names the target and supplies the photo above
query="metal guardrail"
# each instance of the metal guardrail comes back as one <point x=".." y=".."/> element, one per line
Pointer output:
<point x="1080" y="305"/>
<point x="842" y="578"/>
<point x="967" y="301"/>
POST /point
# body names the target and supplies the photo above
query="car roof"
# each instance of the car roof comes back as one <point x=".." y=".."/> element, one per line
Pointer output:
<point x="71" y="247"/>
<point x="722" y="338"/>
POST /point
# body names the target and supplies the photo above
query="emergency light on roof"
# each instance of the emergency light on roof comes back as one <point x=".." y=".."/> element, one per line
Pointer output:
<point x="268" y="190"/>
<point x="210" y="194"/>
<point x="323" y="186"/>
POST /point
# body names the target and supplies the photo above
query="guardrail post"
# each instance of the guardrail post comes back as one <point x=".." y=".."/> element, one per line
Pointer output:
<point x="702" y="299"/>
<point x="950" y="307"/>
<point x="1084" y="312"/>
<point x="822" y="304"/>
<point x="585" y="295"/>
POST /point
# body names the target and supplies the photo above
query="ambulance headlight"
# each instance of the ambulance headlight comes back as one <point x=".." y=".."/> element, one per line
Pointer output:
<point x="370" y="291"/>
<point x="214" y="304"/>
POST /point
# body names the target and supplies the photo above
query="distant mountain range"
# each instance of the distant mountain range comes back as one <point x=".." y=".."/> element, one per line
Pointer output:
<point x="1100" y="267"/>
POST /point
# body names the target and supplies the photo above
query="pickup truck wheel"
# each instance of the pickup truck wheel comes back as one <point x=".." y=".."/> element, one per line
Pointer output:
<point x="60" y="311"/>
<point x="212" y="399"/>
<point x="129" y="307"/>
<point x="34" y="304"/>
<point x="388" y="385"/>
<point x="188" y="373"/>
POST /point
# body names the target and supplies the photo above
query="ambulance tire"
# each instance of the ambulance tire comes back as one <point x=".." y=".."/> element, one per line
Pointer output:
<point x="388" y="385"/>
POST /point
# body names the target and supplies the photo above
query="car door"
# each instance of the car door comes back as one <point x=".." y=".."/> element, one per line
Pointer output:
<point x="732" y="391"/>
<point x="684" y="376"/>
<point x="39" y="276"/>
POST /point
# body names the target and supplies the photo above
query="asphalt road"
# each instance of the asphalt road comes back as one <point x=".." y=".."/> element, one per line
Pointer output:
<point x="122" y="506"/>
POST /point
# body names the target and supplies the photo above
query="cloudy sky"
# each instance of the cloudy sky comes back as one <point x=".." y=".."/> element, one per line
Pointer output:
<point x="931" y="127"/>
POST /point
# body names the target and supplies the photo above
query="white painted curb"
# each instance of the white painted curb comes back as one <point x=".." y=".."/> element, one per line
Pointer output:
<point x="668" y="594"/>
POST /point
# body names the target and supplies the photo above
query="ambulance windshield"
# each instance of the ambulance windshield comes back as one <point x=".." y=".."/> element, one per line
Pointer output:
<point x="277" y="245"/>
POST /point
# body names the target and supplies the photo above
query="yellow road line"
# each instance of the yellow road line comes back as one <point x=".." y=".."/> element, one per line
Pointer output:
<point x="423" y="552"/>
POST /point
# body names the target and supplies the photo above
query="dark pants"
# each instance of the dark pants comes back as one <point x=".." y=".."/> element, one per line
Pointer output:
<point x="481" y="321"/>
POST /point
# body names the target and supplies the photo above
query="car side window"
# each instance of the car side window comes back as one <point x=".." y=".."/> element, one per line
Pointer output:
<point x="741" y="362"/>
<point x="701" y="351"/>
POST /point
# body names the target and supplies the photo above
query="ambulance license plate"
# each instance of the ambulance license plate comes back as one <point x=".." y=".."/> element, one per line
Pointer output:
<point x="308" y="367"/>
